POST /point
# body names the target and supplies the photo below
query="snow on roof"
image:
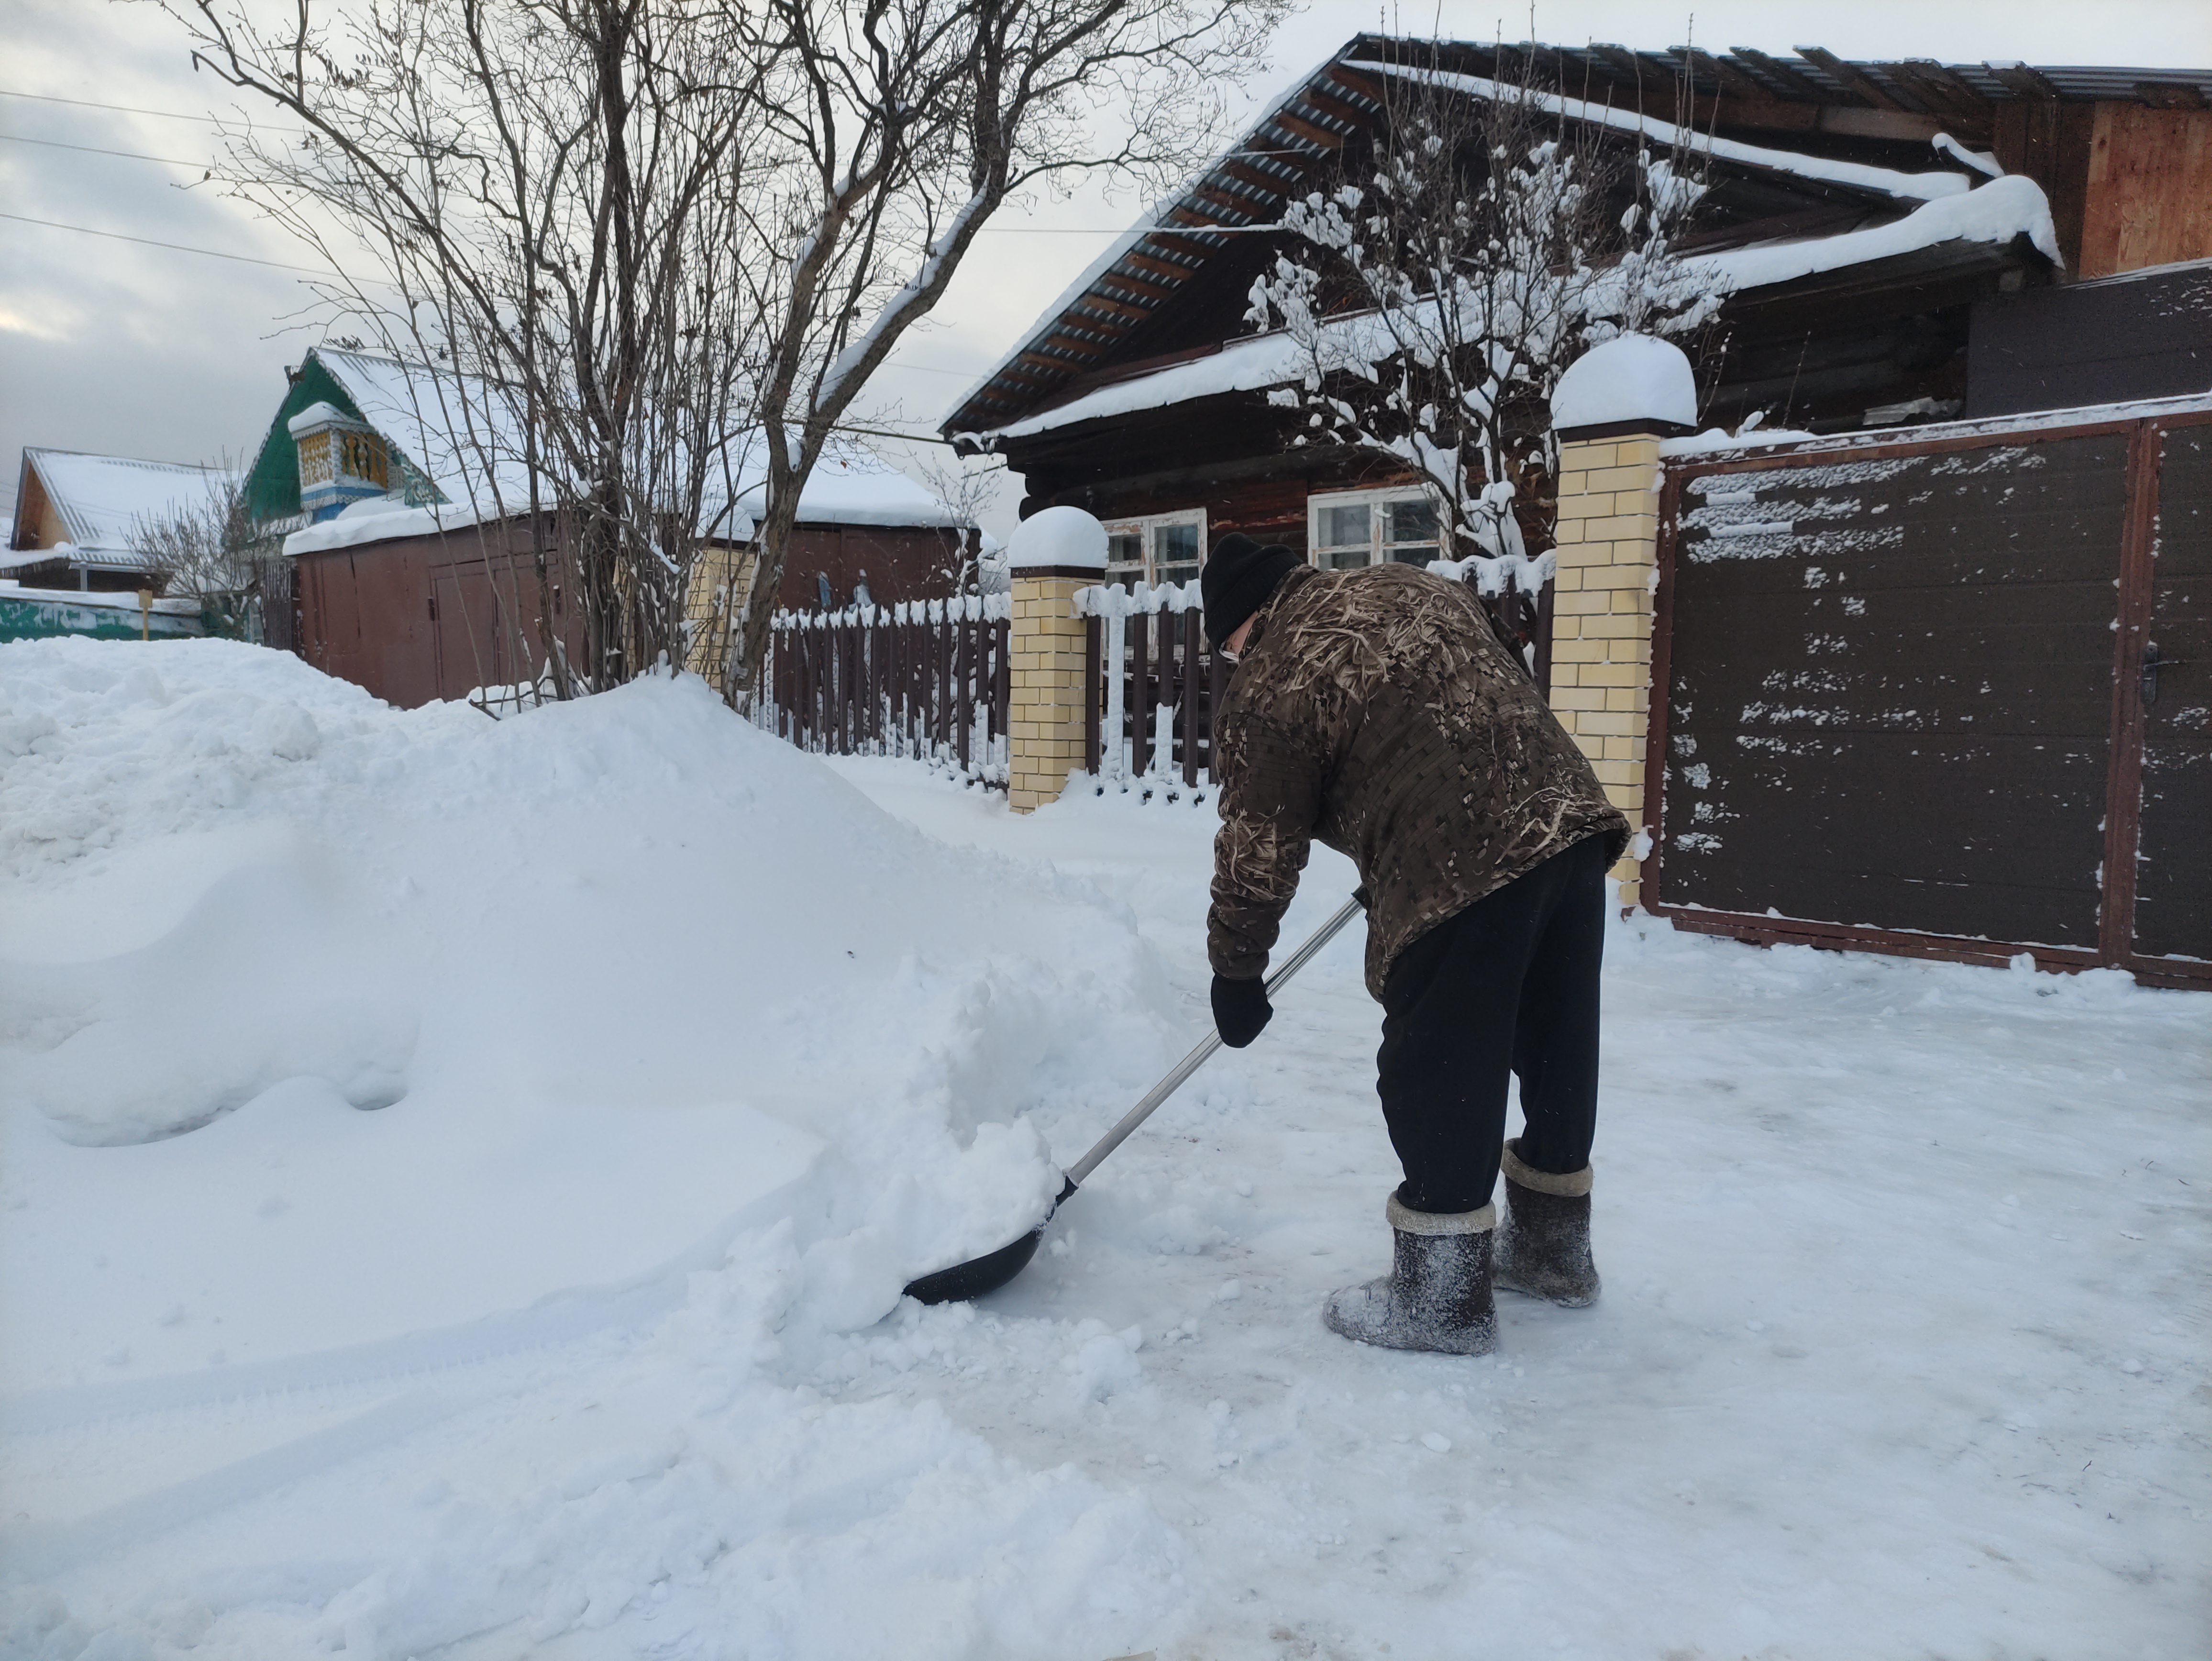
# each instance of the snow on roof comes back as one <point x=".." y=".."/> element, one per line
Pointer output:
<point x="1915" y="187"/>
<point x="463" y="435"/>
<point x="316" y="415"/>
<point x="2000" y="210"/>
<point x="1899" y="185"/>
<point x="1148" y="221"/>
<point x="1716" y="441"/>
<point x="103" y="501"/>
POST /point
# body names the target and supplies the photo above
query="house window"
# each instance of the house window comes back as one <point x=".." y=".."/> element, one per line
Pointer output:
<point x="1370" y="527"/>
<point x="1160" y="549"/>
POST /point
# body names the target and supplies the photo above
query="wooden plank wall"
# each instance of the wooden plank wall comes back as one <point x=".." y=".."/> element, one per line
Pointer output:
<point x="2149" y="195"/>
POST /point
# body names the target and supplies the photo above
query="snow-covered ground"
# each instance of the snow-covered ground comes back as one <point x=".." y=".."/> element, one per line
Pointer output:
<point x="455" y="1179"/>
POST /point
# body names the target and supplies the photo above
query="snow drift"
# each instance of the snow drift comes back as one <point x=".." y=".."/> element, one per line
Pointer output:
<point x="438" y="1016"/>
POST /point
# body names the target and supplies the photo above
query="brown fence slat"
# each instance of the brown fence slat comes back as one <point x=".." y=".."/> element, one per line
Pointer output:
<point x="964" y="657"/>
<point x="1216" y="684"/>
<point x="1193" y="637"/>
<point x="1139" y="701"/>
<point x="1544" y="611"/>
<point x="1094" y="629"/>
<point x="1002" y="694"/>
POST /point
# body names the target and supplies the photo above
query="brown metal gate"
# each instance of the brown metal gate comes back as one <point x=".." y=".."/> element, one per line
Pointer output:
<point x="1946" y="697"/>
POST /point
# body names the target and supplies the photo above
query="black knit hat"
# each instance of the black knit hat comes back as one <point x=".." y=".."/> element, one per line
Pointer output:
<point x="1238" y="578"/>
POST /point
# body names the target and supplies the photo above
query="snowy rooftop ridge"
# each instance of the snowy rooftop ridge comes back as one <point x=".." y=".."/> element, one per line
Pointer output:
<point x="463" y="435"/>
<point x="1913" y="186"/>
<point x="1999" y="211"/>
<point x="105" y="501"/>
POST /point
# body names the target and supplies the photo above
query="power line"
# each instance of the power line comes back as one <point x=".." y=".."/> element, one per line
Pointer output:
<point x="175" y="247"/>
<point x="278" y="265"/>
<point x="128" y="109"/>
<point x="90" y="150"/>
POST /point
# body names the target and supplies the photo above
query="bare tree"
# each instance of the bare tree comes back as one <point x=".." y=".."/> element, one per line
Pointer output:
<point x="644" y="236"/>
<point x="1439" y="290"/>
<point x="538" y="206"/>
<point x="213" y="552"/>
<point x="906" y="125"/>
<point x="964" y="485"/>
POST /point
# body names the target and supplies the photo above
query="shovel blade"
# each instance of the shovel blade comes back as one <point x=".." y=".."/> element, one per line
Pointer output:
<point x="990" y="1271"/>
<point x="978" y="1275"/>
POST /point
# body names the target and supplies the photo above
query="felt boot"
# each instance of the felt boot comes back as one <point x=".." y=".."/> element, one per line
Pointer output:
<point x="1544" y="1241"/>
<point x="1437" y="1295"/>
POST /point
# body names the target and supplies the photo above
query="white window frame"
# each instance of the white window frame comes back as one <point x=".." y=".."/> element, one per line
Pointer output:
<point x="1145" y="525"/>
<point x="1377" y="549"/>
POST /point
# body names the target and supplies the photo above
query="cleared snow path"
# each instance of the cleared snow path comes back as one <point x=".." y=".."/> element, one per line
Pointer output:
<point x="1902" y="1349"/>
<point x="571" y="1346"/>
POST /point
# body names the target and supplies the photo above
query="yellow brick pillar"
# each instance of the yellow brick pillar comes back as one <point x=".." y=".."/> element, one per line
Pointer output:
<point x="1051" y="555"/>
<point x="1607" y="554"/>
<point x="1612" y="407"/>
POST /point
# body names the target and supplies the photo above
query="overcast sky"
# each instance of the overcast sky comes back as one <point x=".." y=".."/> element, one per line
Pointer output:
<point x="120" y="347"/>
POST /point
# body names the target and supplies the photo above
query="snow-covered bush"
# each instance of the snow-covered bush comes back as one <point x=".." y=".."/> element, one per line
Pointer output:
<point x="1444" y="284"/>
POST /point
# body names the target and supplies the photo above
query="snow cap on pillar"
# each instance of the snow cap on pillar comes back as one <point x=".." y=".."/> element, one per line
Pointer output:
<point x="1633" y="383"/>
<point x="1057" y="542"/>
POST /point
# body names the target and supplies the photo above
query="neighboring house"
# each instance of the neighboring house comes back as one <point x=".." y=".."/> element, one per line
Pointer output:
<point x="409" y="547"/>
<point x="1868" y="219"/>
<point x="79" y="518"/>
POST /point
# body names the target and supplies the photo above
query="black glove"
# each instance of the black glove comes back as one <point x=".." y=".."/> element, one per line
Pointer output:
<point x="1241" y="1010"/>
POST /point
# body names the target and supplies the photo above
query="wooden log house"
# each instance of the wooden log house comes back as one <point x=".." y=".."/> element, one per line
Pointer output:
<point x="1864" y="212"/>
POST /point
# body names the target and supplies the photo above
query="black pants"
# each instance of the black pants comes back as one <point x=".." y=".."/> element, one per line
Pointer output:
<point x="1511" y="982"/>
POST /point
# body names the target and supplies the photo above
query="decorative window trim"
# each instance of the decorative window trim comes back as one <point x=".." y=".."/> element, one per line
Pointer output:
<point x="1377" y="547"/>
<point x="1144" y="526"/>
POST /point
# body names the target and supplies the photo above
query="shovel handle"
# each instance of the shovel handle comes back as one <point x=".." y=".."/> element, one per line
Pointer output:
<point x="1189" y="1064"/>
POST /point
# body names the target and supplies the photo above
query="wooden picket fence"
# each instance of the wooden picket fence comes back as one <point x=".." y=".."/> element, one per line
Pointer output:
<point x="924" y="679"/>
<point x="1157" y="682"/>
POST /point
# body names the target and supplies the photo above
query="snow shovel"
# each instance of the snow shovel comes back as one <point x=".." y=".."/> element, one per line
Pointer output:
<point x="995" y="1268"/>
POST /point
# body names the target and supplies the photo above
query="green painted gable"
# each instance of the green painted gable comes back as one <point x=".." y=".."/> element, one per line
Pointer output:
<point x="273" y="488"/>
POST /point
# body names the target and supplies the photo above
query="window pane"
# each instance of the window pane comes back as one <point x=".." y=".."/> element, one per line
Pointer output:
<point x="1341" y="559"/>
<point x="1124" y="548"/>
<point x="1346" y="527"/>
<point x="1413" y="521"/>
<point x="1176" y="542"/>
<point x="1414" y="553"/>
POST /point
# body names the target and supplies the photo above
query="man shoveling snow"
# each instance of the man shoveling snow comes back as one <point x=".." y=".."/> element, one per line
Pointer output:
<point x="1377" y="711"/>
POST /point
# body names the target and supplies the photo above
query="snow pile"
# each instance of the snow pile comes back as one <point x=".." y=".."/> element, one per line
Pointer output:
<point x="1631" y="377"/>
<point x="344" y="1042"/>
<point x="1057" y="537"/>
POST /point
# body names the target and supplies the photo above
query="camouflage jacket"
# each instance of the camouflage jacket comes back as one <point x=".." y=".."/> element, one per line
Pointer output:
<point x="1377" y="711"/>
